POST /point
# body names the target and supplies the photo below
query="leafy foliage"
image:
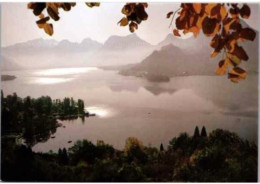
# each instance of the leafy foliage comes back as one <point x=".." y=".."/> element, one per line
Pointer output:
<point x="223" y="23"/>
<point x="36" y="119"/>
<point x="222" y="156"/>
<point x="134" y="14"/>
<point x="52" y="12"/>
<point x="220" y="21"/>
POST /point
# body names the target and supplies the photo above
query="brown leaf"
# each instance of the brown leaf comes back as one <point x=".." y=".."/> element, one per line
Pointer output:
<point x="38" y="8"/>
<point x="41" y="16"/>
<point x="215" y="11"/>
<point x="180" y="24"/>
<point x="92" y="4"/>
<point x="238" y="73"/>
<point x="66" y="6"/>
<point x="53" y="14"/>
<point x="43" y="20"/>
<point x="169" y="14"/>
<point x="234" y="60"/>
<point x="245" y="11"/>
<point x="123" y="21"/>
<point x="145" y="4"/>
<point x="48" y="28"/>
<point x="248" y="34"/>
<point x="128" y="9"/>
<point x="197" y="7"/>
<point x="140" y="12"/>
<point x="234" y="12"/>
<point x="132" y="27"/>
<point x="213" y="54"/>
<point x="210" y="26"/>
<point x="223" y="12"/>
<point x="176" y="32"/>
<point x="240" y="53"/>
<point x="215" y="41"/>
<point x="233" y="77"/>
<point x="195" y="30"/>
<point x="209" y="7"/>
<point x="222" y="67"/>
<point x="31" y="5"/>
<point x="227" y="23"/>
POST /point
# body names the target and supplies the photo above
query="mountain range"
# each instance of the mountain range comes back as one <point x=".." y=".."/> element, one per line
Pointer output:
<point x="176" y="57"/>
<point x="172" y="56"/>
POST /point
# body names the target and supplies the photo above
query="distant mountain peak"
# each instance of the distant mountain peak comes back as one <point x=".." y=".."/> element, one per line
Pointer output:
<point x="130" y="41"/>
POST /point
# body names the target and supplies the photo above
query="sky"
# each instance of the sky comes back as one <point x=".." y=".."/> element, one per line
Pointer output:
<point x="98" y="23"/>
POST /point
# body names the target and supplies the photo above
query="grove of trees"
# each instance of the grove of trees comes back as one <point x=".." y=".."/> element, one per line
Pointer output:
<point x="221" y="156"/>
<point x="36" y="119"/>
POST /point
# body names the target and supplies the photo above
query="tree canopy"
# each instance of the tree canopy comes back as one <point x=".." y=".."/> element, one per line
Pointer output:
<point x="221" y="21"/>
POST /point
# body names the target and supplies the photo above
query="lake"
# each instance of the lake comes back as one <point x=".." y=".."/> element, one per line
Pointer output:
<point x="131" y="106"/>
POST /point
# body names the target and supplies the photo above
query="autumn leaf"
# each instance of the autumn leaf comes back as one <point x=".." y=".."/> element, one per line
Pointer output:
<point x="213" y="54"/>
<point x="245" y="11"/>
<point x="123" y="21"/>
<point x="48" y="28"/>
<point x="215" y="11"/>
<point x="92" y="4"/>
<point x="180" y="24"/>
<point x="234" y="12"/>
<point x="248" y="34"/>
<point x="66" y="6"/>
<point x="223" y="12"/>
<point x="240" y="53"/>
<point x="210" y="26"/>
<point x="233" y="77"/>
<point x="41" y="16"/>
<point x="132" y="27"/>
<point x="53" y="14"/>
<point x="197" y="7"/>
<point x="227" y="23"/>
<point x="140" y="12"/>
<point x="209" y="7"/>
<point x="195" y="30"/>
<point x="176" y="32"/>
<point x="234" y="60"/>
<point x="169" y="14"/>
<point x="237" y="74"/>
<point x="222" y="67"/>
<point x="43" y="20"/>
<point x="37" y="8"/>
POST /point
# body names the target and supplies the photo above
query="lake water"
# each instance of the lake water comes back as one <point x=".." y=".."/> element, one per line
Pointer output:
<point x="130" y="106"/>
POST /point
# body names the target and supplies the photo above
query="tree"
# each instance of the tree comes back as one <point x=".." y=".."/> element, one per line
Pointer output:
<point x="81" y="107"/>
<point x="221" y="21"/>
<point x="196" y="132"/>
<point x="161" y="147"/>
<point x="203" y="132"/>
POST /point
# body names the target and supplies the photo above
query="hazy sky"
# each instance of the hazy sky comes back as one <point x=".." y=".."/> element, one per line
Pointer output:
<point x="18" y="23"/>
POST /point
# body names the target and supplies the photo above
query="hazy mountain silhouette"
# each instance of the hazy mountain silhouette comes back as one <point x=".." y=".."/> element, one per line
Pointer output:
<point x="172" y="56"/>
<point x="191" y="56"/>
<point x="122" y="50"/>
<point x="131" y="41"/>
<point x="201" y="42"/>
<point x="117" y="50"/>
<point x="174" y="61"/>
<point x="42" y="45"/>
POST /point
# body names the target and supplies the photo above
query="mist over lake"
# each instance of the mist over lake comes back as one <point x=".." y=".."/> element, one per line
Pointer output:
<point x="129" y="106"/>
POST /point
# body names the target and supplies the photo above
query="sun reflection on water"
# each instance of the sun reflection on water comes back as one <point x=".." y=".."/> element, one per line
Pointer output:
<point x="64" y="71"/>
<point x="99" y="111"/>
<point x="48" y="80"/>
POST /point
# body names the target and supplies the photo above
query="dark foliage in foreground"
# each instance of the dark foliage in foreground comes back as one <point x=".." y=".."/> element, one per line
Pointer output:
<point x="35" y="119"/>
<point x="221" y="156"/>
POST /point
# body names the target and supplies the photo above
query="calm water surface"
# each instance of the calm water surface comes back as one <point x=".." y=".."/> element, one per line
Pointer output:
<point x="130" y="106"/>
